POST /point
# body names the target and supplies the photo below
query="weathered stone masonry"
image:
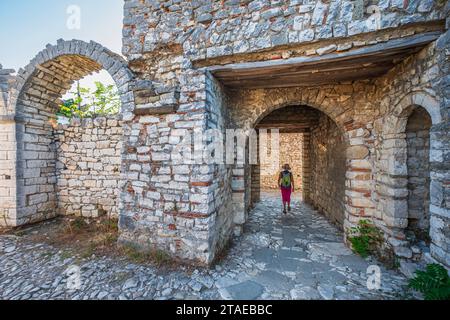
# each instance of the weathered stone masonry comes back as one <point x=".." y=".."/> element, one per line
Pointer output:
<point x="174" y="46"/>
<point x="289" y="153"/>
<point x="199" y="65"/>
<point x="88" y="167"/>
<point x="7" y="151"/>
<point x="328" y="167"/>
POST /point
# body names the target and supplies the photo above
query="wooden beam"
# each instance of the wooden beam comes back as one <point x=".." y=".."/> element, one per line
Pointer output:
<point x="307" y="80"/>
<point x="402" y="43"/>
<point x="361" y="63"/>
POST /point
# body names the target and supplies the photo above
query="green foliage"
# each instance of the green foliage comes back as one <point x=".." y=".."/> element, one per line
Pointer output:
<point x="434" y="283"/>
<point x="365" y="238"/>
<point x="103" y="101"/>
<point x="70" y="109"/>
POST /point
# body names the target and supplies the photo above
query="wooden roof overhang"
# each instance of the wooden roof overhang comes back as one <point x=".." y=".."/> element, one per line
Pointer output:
<point x="357" y="64"/>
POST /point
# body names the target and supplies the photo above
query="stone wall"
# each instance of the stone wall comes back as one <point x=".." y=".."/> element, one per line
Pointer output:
<point x="7" y="152"/>
<point x="418" y="81"/>
<point x="166" y="204"/>
<point x="328" y="169"/>
<point x="88" y="167"/>
<point x="215" y="29"/>
<point x="6" y="82"/>
<point x="440" y="155"/>
<point x="223" y="174"/>
<point x="291" y="152"/>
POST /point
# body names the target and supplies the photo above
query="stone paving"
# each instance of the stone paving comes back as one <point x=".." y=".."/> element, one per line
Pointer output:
<point x="299" y="256"/>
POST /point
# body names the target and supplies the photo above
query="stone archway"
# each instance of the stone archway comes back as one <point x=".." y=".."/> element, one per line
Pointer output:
<point x="77" y="59"/>
<point x="393" y="176"/>
<point x="34" y="98"/>
<point x="315" y="148"/>
<point x="249" y="107"/>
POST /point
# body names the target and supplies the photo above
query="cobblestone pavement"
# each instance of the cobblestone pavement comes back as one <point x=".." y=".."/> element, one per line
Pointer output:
<point x="300" y="256"/>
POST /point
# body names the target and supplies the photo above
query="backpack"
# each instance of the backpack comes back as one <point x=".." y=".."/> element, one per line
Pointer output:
<point x="286" y="179"/>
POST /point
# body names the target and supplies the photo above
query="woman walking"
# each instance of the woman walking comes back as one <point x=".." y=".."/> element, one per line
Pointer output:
<point x="286" y="182"/>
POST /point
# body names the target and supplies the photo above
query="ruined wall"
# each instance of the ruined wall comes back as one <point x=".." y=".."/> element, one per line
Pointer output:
<point x="35" y="99"/>
<point x="328" y="170"/>
<point x="88" y="167"/>
<point x="223" y="174"/>
<point x="36" y="156"/>
<point x="210" y="29"/>
<point x="418" y="81"/>
<point x="7" y="152"/>
<point x="291" y="152"/>
<point x="169" y="43"/>
<point x="440" y="156"/>
<point x="164" y="203"/>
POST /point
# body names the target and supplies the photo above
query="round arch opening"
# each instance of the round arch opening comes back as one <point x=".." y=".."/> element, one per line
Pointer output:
<point x="410" y="147"/>
<point x="315" y="148"/>
<point x="70" y="169"/>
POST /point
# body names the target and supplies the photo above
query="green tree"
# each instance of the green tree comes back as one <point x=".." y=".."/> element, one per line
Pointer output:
<point x="103" y="101"/>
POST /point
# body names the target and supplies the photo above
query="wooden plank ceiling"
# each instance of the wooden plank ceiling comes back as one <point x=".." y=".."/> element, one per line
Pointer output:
<point x="291" y="119"/>
<point x="362" y="63"/>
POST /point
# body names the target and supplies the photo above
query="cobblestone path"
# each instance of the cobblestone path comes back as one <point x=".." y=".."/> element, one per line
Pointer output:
<point x="300" y="256"/>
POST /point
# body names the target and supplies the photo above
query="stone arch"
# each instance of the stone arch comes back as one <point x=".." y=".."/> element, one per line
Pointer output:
<point x="357" y="199"/>
<point x="420" y="98"/>
<point x="80" y="58"/>
<point x="279" y="98"/>
<point x="394" y="127"/>
<point x="282" y="105"/>
<point x="35" y="97"/>
<point x="392" y="177"/>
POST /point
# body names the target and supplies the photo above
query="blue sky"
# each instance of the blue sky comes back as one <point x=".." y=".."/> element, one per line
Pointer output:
<point x="26" y="26"/>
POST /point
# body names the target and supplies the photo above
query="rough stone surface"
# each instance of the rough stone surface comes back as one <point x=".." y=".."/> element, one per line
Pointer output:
<point x="8" y="188"/>
<point x="276" y="258"/>
<point x="328" y="166"/>
<point x="289" y="153"/>
<point x="88" y="167"/>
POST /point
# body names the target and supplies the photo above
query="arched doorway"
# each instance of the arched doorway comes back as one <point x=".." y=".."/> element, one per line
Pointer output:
<point x="342" y="146"/>
<point x="315" y="148"/>
<point x="407" y="168"/>
<point x="418" y="163"/>
<point x="37" y="97"/>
